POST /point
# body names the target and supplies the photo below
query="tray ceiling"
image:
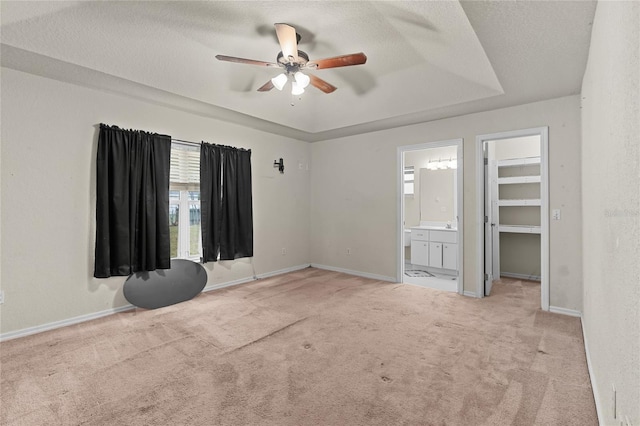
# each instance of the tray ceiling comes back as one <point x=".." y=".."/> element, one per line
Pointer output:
<point x="426" y="60"/>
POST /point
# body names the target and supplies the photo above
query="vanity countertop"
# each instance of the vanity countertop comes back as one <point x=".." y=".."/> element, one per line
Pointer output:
<point x="434" y="228"/>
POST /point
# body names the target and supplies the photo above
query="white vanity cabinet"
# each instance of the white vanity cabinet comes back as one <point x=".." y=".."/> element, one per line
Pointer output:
<point x="420" y="247"/>
<point x="436" y="248"/>
<point x="450" y="256"/>
<point x="435" y="255"/>
<point x="444" y="249"/>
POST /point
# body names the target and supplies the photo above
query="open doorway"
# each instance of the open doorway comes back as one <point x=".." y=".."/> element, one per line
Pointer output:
<point x="513" y="199"/>
<point x="430" y="206"/>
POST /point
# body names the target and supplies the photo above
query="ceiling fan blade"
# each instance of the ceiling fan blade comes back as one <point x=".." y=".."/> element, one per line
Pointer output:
<point x="245" y="61"/>
<point x="339" y="61"/>
<point x="288" y="40"/>
<point x="266" y="87"/>
<point x="321" y="84"/>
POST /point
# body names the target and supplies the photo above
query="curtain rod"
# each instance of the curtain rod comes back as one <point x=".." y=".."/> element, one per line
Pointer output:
<point x="180" y="141"/>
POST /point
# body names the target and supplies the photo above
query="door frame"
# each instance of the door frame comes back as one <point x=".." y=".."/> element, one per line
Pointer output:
<point x="543" y="132"/>
<point x="458" y="143"/>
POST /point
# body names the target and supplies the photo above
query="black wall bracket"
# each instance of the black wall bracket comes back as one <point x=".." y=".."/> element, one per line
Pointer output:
<point x="279" y="165"/>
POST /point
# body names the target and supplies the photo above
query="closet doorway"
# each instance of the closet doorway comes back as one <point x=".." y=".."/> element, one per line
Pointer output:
<point x="513" y="199"/>
<point x="430" y="210"/>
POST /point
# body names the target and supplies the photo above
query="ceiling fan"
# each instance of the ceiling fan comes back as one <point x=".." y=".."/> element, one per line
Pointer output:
<point x="294" y="61"/>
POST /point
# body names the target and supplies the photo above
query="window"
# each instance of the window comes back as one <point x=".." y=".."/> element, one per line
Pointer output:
<point x="408" y="180"/>
<point x="184" y="202"/>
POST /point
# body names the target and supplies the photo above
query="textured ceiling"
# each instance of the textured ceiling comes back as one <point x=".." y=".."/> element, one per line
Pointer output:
<point x="426" y="60"/>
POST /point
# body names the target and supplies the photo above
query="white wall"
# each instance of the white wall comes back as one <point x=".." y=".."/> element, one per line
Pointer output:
<point x="354" y="189"/>
<point x="611" y="208"/>
<point x="49" y="137"/>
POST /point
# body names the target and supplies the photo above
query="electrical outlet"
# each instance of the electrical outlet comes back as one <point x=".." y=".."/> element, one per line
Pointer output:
<point x="284" y="251"/>
<point x="348" y="252"/>
<point x="1" y="297"/>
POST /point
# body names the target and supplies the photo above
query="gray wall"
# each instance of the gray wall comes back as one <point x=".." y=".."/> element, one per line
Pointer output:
<point x="355" y="192"/>
<point x="611" y="208"/>
<point x="49" y="137"/>
<point x="352" y="184"/>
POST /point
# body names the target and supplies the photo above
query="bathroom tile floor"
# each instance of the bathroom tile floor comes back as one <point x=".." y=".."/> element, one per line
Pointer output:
<point x="437" y="281"/>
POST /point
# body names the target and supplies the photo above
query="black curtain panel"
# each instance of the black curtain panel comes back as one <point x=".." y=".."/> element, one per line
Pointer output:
<point x="132" y="206"/>
<point x="228" y="217"/>
<point x="245" y="205"/>
<point x="237" y="203"/>
<point x="210" y="200"/>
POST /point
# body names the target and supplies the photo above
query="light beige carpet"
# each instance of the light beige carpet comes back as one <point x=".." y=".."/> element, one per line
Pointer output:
<point x="308" y="348"/>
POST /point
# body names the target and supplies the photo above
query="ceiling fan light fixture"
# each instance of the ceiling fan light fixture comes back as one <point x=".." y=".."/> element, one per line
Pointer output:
<point x="303" y="80"/>
<point x="296" y="88"/>
<point x="292" y="60"/>
<point x="279" y="81"/>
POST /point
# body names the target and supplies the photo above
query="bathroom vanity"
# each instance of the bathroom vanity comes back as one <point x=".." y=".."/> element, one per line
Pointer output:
<point x="435" y="247"/>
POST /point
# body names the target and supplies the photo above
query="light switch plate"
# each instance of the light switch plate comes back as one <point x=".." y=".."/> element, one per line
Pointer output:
<point x="555" y="214"/>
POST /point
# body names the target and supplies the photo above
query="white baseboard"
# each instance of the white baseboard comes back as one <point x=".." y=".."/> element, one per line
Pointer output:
<point x="357" y="273"/>
<point x="470" y="293"/>
<point x="63" y="323"/>
<point x="565" y="311"/>
<point x="594" y="388"/>
<point x="88" y="317"/>
<point x="250" y="279"/>
<point x="520" y="276"/>
<point x="283" y="271"/>
<point x="227" y="284"/>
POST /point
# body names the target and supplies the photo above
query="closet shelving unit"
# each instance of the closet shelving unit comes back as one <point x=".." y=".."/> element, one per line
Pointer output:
<point x="512" y="180"/>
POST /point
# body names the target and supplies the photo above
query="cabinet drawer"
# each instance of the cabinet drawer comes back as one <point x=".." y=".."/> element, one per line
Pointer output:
<point x="444" y="236"/>
<point x="420" y="234"/>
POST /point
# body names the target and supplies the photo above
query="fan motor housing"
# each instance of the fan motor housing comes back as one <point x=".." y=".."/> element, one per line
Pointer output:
<point x="290" y="66"/>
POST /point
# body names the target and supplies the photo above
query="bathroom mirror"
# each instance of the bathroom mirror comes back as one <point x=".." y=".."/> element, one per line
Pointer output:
<point x="438" y="195"/>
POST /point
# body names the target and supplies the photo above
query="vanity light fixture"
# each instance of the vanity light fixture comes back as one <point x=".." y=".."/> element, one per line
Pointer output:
<point x="440" y="164"/>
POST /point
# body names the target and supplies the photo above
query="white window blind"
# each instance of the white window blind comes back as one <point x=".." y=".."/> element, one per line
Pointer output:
<point x="185" y="234"/>
<point x="409" y="180"/>
<point x="185" y="167"/>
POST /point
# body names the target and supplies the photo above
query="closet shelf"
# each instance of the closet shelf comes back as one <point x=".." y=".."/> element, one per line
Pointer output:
<point x="519" y="203"/>
<point x="520" y="229"/>
<point x="519" y="162"/>
<point x="518" y="179"/>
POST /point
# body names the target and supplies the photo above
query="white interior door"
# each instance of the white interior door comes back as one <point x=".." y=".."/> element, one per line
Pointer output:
<point x="495" y="211"/>
<point x="488" y="245"/>
<point x="492" y="219"/>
